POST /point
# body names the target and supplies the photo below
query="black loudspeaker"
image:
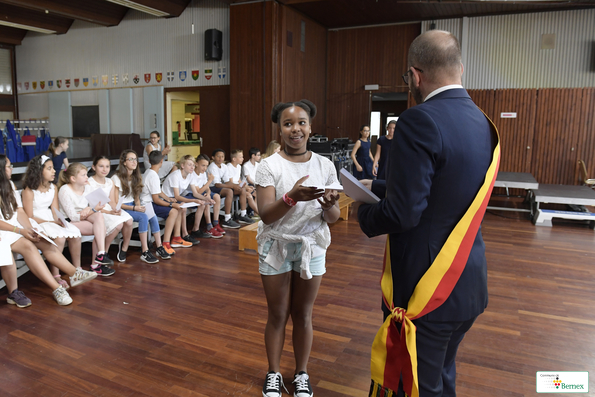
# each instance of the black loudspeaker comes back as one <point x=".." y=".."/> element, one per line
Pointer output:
<point x="213" y="49"/>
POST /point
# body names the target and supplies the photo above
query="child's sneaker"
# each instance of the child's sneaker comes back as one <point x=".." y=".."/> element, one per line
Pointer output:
<point x="214" y="233"/>
<point x="178" y="242"/>
<point x="200" y="234"/>
<point x="167" y="247"/>
<point x="230" y="224"/>
<point x="102" y="270"/>
<point x="245" y="220"/>
<point x="191" y="240"/>
<point x="121" y="254"/>
<point x="18" y="298"/>
<point x="273" y="384"/>
<point x="162" y="253"/>
<point x="103" y="259"/>
<point x="219" y="229"/>
<point x="62" y="297"/>
<point x="63" y="283"/>
<point x="81" y="276"/>
<point x="148" y="257"/>
<point x="302" y="385"/>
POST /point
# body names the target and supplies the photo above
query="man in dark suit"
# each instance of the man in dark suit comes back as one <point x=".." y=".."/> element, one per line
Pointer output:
<point x="443" y="148"/>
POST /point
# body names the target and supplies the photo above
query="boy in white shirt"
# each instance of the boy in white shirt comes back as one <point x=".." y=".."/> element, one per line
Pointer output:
<point x="199" y="188"/>
<point x="175" y="186"/>
<point x="251" y="165"/>
<point x="235" y="176"/>
<point x="223" y="185"/>
<point x="163" y="206"/>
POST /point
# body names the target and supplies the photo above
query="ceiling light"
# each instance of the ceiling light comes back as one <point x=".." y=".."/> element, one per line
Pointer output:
<point x="27" y="27"/>
<point x="140" y="7"/>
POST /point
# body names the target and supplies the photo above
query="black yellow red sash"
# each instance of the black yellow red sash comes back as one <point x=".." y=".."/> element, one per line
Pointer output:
<point x="394" y="353"/>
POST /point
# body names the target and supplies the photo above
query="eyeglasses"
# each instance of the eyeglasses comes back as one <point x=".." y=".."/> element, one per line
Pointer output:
<point x="133" y="159"/>
<point x="405" y="75"/>
<point x="10" y="166"/>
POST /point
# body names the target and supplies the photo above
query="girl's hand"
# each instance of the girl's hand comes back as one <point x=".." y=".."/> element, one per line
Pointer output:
<point x="329" y="199"/>
<point x="141" y="208"/>
<point x="375" y="169"/>
<point x="176" y="206"/>
<point x="117" y="212"/>
<point x="359" y="168"/>
<point x="99" y="207"/>
<point x="30" y="235"/>
<point x="85" y="213"/>
<point x="304" y="193"/>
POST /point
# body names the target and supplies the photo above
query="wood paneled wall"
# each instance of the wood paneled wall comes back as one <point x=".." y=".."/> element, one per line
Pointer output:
<point x="554" y="128"/>
<point x="356" y="57"/>
<point x="268" y="68"/>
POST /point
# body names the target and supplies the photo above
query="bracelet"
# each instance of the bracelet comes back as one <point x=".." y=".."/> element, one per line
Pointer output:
<point x="93" y="209"/>
<point x="14" y="230"/>
<point x="134" y="208"/>
<point x="288" y="200"/>
<point x="171" y="205"/>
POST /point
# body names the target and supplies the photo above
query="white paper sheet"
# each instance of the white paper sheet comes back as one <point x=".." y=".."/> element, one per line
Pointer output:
<point x="97" y="196"/>
<point x="335" y="186"/>
<point x="149" y="210"/>
<point x="37" y="229"/>
<point x="189" y="205"/>
<point x="120" y="202"/>
<point x="354" y="189"/>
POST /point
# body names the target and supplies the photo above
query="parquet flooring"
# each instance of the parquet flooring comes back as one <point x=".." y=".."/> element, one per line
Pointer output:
<point x="193" y="326"/>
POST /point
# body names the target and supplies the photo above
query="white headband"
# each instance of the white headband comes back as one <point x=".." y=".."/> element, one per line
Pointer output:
<point x="44" y="158"/>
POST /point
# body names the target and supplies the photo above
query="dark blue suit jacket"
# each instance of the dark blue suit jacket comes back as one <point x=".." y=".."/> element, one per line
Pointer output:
<point x="441" y="151"/>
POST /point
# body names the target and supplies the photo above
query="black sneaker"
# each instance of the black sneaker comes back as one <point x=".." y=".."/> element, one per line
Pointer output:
<point x="190" y="239"/>
<point x="230" y="224"/>
<point x="245" y="220"/>
<point x="18" y="298"/>
<point x="103" y="259"/>
<point x="121" y="254"/>
<point x="273" y="384"/>
<point x="200" y="234"/>
<point x="103" y="270"/>
<point x="302" y="385"/>
<point x="162" y="253"/>
<point x="148" y="257"/>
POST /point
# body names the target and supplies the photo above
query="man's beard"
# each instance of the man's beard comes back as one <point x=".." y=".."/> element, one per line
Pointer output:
<point x="416" y="94"/>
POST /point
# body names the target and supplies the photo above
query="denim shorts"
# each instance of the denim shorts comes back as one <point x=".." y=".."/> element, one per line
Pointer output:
<point x="292" y="261"/>
<point x="143" y="220"/>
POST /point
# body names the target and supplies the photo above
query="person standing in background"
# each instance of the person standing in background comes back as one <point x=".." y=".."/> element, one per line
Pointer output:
<point x="382" y="149"/>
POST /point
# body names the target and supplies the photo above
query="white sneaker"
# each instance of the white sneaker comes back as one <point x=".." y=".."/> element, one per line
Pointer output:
<point x="81" y="276"/>
<point x="62" y="297"/>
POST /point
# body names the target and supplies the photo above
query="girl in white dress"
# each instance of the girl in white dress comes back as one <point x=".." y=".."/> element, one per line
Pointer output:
<point x="114" y="219"/>
<point x="16" y="230"/>
<point x="40" y="202"/>
<point x="168" y="166"/>
<point x="72" y="189"/>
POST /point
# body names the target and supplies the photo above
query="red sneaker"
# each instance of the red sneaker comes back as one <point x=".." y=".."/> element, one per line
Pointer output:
<point x="219" y="229"/>
<point x="214" y="233"/>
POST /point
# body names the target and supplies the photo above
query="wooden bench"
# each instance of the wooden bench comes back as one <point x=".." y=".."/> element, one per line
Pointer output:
<point x="247" y="238"/>
<point x="344" y="206"/>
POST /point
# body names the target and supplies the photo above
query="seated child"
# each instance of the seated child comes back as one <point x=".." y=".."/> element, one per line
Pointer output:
<point x="249" y="168"/>
<point x="199" y="188"/>
<point x="235" y="175"/>
<point x="175" y="185"/>
<point x="164" y="207"/>
<point x="223" y="185"/>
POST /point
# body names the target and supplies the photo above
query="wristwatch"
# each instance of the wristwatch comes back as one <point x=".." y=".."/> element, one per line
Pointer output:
<point x="171" y="205"/>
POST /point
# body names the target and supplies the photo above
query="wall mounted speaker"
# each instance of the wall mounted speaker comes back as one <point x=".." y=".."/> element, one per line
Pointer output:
<point x="213" y="49"/>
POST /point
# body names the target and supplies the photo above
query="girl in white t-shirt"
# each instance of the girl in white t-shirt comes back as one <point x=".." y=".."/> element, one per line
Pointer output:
<point x="292" y="239"/>
<point x="73" y="188"/>
<point x="16" y="231"/>
<point x="168" y="166"/>
<point x="40" y="202"/>
<point x="128" y="185"/>
<point x="115" y="220"/>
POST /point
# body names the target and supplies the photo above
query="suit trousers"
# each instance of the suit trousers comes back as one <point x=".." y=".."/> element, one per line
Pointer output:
<point x="437" y="344"/>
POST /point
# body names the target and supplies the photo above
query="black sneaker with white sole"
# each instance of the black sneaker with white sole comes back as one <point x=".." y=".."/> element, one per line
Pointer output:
<point x="103" y="270"/>
<point x="245" y="220"/>
<point x="162" y="253"/>
<point x="230" y="224"/>
<point x="190" y="239"/>
<point x="103" y="259"/>
<point x="121" y="254"/>
<point x="148" y="257"/>
<point x="302" y="385"/>
<point x="273" y="384"/>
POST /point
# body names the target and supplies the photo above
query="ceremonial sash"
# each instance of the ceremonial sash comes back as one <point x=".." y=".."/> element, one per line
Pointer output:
<point x="394" y="353"/>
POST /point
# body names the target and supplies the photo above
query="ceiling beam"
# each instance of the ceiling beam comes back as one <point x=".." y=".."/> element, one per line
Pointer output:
<point x="172" y="7"/>
<point x="11" y="35"/>
<point x="289" y="2"/>
<point x="94" y="11"/>
<point x="23" y="16"/>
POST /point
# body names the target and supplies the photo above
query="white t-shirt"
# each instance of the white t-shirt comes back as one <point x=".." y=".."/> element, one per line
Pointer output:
<point x="175" y="180"/>
<point x="195" y="180"/>
<point x="118" y="184"/>
<point x="152" y="185"/>
<point x="221" y="173"/>
<point x="235" y="172"/>
<point x="250" y="170"/>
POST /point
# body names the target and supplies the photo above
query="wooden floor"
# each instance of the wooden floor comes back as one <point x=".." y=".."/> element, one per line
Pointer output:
<point x="193" y="326"/>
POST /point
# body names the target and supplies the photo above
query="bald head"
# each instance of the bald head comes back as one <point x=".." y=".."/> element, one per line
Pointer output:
<point x="438" y="54"/>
